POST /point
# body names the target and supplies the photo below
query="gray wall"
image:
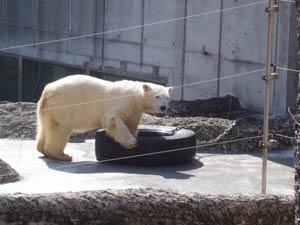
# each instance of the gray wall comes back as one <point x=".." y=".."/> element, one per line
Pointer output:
<point x="183" y="51"/>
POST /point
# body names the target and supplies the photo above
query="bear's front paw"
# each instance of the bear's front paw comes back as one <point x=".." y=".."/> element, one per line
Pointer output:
<point x="129" y="143"/>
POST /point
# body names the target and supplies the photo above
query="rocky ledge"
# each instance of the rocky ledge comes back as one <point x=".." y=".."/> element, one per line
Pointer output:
<point x="145" y="206"/>
<point x="7" y="174"/>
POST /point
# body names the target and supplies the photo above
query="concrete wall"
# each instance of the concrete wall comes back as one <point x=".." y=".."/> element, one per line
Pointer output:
<point x="183" y="51"/>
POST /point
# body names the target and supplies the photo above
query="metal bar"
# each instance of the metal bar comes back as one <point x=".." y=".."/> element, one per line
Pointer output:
<point x="267" y="98"/>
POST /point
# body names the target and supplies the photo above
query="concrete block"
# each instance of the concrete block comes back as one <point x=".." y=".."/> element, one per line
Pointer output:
<point x="82" y="46"/>
<point x="292" y="77"/>
<point x="166" y="35"/>
<point x="280" y="88"/>
<point x="168" y="60"/>
<point x="163" y="43"/>
<point x="83" y="17"/>
<point x="122" y="51"/>
<point x="123" y="14"/>
<point x="54" y="56"/>
<point x="284" y="32"/>
<point x="111" y="63"/>
<point x="53" y="16"/>
<point x="2" y="10"/>
<point x="202" y="41"/>
<point x="243" y="50"/>
<point x="86" y="18"/>
<point x="138" y="68"/>
<point x="244" y="32"/>
<point x="21" y="13"/>
<point x="199" y="67"/>
<point x="161" y="56"/>
<point x="144" y="72"/>
<point x="100" y="17"/>
<point x="249" y="88"/>
<point x="173" y="81"/>
<point x="58" y="47"/>
<point x="284" y="58"/>
<point x="202" y="32"/>
<point x="2" y="35"/>
<point x="16" y="35"/>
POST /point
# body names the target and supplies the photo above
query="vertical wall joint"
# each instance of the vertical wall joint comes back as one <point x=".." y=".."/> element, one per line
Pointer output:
<point x="220" y="48"/>
<point x="183" y="50"/>
<point x="20" y="78"/>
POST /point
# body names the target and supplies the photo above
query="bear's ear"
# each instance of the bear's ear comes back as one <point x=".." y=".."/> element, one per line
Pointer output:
<point x="171" y="90"/>
<point x="146" y="88"/>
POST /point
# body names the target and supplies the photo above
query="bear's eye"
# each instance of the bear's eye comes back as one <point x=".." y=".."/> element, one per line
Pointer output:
<point x="168" y="98"/>
<point x="157" y="97"/>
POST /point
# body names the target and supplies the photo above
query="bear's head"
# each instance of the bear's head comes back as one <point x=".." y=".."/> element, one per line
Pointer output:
<point x="156" y="97"/>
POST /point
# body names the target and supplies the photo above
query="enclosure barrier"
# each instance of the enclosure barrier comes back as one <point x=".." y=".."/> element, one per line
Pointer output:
<point x="145" y="206"/>
<point x="272" y="7"/>
<point x="134" y="206"/>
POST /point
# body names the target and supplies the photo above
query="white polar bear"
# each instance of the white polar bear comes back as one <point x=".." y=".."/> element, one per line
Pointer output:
<point x="81" y="103"/>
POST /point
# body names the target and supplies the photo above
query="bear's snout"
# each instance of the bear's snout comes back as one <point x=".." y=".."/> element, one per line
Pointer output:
<point x="163" y="108"/>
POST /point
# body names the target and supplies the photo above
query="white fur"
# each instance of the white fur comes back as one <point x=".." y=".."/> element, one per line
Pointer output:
<point x="82" y="103"/>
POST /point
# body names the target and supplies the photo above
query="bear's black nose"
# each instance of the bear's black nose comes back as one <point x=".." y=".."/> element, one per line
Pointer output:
<point x="163" y="108"/>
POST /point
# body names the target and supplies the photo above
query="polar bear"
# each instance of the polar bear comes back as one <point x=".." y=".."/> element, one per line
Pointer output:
<point x="81" y="103"/>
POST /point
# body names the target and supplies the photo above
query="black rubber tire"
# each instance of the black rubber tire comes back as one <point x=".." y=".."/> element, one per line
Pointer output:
<point x="107" y="149"/>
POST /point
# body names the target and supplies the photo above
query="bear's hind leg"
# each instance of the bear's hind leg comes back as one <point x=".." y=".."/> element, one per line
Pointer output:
<point x="56" y="142"/>
<point x="40" y="140"/>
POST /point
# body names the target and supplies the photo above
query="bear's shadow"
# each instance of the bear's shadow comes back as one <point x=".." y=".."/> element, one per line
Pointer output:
<point x="92" y="167"/>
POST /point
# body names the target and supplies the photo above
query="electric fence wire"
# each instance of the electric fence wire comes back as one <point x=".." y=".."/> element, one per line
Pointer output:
<point x="288" y="1"/>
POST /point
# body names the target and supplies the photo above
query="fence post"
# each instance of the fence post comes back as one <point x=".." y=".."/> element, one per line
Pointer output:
<point x="267" y="78"/>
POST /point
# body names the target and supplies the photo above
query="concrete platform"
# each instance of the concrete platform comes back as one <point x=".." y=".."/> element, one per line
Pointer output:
<point x="213" y="172"/>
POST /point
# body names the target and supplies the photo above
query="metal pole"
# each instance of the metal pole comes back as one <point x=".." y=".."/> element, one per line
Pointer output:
<point x="267" y="78"/>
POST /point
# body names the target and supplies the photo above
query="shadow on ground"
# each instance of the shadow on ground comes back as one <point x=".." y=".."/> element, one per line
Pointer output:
<point x="90" y="167"/>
